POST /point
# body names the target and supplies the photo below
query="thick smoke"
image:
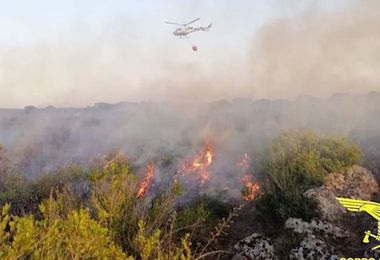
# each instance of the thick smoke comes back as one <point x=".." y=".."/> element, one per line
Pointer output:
<point x="44" y="139"/>
<point x="312" y="52"/>
<point x="318" y="53"/>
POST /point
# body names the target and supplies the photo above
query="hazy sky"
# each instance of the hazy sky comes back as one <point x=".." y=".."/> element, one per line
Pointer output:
<point x="75" y="53"/>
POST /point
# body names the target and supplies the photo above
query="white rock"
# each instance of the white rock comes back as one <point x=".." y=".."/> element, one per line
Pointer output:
<point x="312" y="248"/>
<point x="255" y="246"/>
<point x="316" y="225"/>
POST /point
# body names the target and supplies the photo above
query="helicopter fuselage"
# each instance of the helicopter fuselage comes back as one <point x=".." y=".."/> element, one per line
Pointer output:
<point x="187" y="30"/>
<point x="183" y="31"/>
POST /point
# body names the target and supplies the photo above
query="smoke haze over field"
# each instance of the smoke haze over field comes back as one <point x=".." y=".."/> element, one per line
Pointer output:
<point x="91" y="53"/>
<point x="44" y="139"/>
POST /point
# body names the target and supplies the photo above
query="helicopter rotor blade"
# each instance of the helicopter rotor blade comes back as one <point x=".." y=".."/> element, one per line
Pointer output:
<point x="192" y="21"/>
<point x="174" y="23"/>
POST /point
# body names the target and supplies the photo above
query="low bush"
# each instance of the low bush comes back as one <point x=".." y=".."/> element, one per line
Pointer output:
<point x="295" y="162"/>
<point x="104" y="218"/>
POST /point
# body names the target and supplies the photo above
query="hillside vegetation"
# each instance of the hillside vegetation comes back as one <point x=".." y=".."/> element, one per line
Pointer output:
<point x="73" y="213"/>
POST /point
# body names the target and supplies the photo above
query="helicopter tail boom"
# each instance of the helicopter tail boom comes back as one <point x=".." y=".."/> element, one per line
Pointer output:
<point x="206" y="28"/>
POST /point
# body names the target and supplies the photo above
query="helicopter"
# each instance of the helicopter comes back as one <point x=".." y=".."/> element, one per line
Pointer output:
<point x="185" y="29"/>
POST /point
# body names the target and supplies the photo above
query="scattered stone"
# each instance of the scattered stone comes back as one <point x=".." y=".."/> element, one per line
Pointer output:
<point x="255" y="246"/>
<point x="313" y="248"/>
<point x="316" y="225"/>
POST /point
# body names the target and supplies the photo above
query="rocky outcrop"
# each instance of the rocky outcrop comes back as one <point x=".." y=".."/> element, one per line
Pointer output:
<point x="315" y="226"/>
<point x="327" y="206"/>
<point x="313" y="246"/>
<point x="255" y="246"/>
<point x="354" y="182"/>
<point x="351" y="182"/>
<point x="321" y="238"/>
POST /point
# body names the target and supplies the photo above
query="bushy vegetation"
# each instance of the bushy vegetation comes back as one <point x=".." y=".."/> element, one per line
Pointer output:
<point x="71" y="213"/>
<point x="297" y="161"/>
<point x="75" y="214"/>
<point x="62" y="233"/>
<point x="25" y="195"/>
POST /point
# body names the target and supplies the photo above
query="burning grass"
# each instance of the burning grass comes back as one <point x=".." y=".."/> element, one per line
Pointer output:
<point x="134" y="212"/>
<point x="196" y="172"/>
<point x="251" y="190"/>
<point x="199" y="165"/>
<point x="149" y="173"/>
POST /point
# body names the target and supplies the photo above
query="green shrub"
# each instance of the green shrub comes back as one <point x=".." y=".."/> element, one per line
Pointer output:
<point x="25" y="195"/>
<point x="51" y="220"/>
<point x="189" y="216"/>
<point x="67" y="232"/>
<point x="141" y="226"/>
<point x="296" y="161"/>
<point x="58" y="235"/>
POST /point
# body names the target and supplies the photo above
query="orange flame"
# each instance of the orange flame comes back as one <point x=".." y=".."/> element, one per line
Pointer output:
<point x="147" y="180"/>
<point x="200" y="164"/>
<point x="245" y="161"/>
<point x="251" y="190"/>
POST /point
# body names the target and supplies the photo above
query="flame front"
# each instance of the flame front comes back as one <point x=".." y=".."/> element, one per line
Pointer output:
<point x="245" y="161"/>
<point x="200" y="164"/>
<point x="147" y="180"/>
<point x="251" y="190"/>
